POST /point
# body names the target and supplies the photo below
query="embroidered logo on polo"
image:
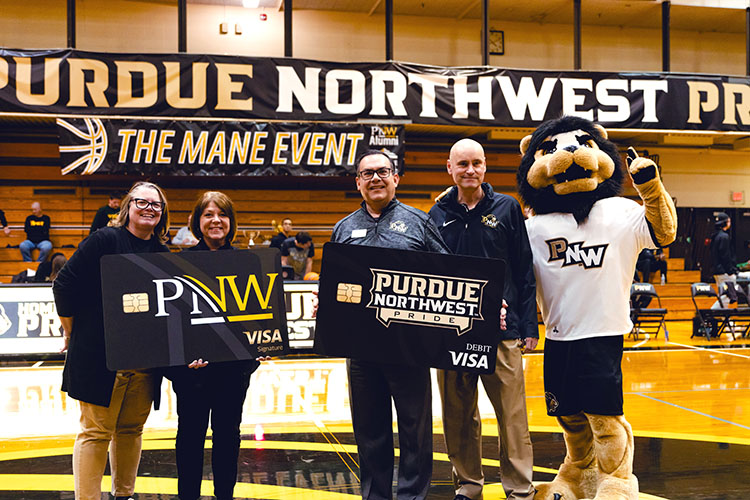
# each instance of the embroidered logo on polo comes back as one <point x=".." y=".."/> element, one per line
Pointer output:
<point x="552" y="403"/>
<point x="398" y="226"/>
<point x="490" y="220"/>
<point x="576" y="253"/>
<point x="426" y="299"/>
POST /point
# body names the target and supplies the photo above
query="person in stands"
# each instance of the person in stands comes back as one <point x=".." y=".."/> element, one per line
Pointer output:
<point x="37" y="234"/>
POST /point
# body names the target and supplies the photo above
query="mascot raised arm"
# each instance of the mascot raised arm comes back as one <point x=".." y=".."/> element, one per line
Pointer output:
<point x="585" y="240"/>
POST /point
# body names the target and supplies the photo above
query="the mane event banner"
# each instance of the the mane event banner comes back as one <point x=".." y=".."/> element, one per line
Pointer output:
<point x="167" y="309"/>
<point x="180" y="147"/>
<point x="73" y="82"/>
<point x="409" y="307"/>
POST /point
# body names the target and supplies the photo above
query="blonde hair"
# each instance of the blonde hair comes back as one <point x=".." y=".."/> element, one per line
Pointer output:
<point x="123" y="218"/>
<point x="225" y="205"/>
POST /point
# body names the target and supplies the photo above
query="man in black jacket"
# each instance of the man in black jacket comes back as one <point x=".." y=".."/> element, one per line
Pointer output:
<point x="722" y="258"/>
<point x="474" y="220"/>
<point x="106" y="213"/>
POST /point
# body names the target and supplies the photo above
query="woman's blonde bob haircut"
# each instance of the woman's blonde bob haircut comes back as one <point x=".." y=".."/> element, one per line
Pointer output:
<point x="225" y="205"/>
<point x="161" y="230"/>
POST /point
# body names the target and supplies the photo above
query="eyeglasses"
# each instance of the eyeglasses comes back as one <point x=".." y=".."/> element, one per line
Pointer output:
<point x="383" y="173"/>
<point x="141" y="204"/>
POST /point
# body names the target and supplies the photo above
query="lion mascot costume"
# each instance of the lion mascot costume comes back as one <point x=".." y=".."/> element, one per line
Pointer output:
<point x="585" y="240"/>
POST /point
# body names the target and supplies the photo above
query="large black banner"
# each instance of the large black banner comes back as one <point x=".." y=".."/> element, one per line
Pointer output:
<point x="408" y="307"/>
<point x="65" y="82"/>
<point x="168" y="309"/>
<point x="179" y="147"/>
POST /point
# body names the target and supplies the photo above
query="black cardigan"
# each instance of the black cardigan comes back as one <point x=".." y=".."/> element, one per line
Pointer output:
<point x="77" y="291"/>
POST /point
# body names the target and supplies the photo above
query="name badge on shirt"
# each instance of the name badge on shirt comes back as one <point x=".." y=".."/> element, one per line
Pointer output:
<point x="359" y="233"/>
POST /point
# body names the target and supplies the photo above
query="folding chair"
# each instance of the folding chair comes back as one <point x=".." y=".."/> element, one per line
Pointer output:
<point x="739" y="317"/>
<point x="711" y="323"/>
<point x="646" y="320"/>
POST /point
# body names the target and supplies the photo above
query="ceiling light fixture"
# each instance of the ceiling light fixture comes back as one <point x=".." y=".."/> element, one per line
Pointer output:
<point x="250" y="4"/>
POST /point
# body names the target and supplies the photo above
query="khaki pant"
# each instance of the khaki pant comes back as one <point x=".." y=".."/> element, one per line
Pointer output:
<point x="118" y="427"/>
<point x="463" y="425"/>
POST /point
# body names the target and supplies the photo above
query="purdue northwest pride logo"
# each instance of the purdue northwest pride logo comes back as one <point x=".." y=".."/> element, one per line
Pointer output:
<point x="426" y="299"/>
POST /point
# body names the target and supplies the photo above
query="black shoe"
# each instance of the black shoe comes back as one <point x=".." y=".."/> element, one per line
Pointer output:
<point x="461" y="497"/>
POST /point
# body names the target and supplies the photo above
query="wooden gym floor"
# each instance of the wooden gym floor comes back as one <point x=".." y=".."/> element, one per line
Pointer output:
<point x="688" y="401"/>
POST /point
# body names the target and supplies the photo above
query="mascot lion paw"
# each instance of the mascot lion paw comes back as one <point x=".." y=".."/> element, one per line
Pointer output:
<point x="598" y="462"/>
<point x="570" y="483"/>
<point x="579" y="473"/>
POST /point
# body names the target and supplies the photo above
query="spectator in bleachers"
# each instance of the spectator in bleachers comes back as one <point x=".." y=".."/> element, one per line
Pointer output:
<point x="47" y="270"/>
<point x="114" y="405"/>
<point x="650" y="261"/>
<point x="284" y="233"/>
<point x="107" y="213"/>
<point x="298" y="252"/>
<point x="722" y="258"/>
<point x="184" y="236"/>
<point x="4" y="223"/>
<point x="37" y="234"/>
<point x="745" y="266"/>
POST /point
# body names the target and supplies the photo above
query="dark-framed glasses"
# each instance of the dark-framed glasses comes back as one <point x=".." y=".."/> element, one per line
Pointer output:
<point x="141" y="204"/>
<point x="383" y="173"/>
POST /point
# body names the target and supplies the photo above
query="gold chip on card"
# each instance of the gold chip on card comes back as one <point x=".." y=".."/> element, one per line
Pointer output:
<point x="134" y="302"/>
<point x="349" y="292"/>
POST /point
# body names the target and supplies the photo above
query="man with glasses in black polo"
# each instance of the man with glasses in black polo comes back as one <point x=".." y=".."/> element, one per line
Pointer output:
<point x="383" y="221"/>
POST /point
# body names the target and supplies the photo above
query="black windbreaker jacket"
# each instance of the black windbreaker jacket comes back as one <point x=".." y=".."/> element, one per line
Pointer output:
<point x="495" y="228"/>
<point x="722" y="256"/>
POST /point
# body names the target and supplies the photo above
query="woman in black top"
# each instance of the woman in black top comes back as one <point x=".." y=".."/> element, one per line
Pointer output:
<point x="217" y="390"/>
<point x="114" y="405"/>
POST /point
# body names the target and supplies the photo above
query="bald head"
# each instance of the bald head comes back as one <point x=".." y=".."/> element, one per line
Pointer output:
<point x="36" y="208"/>
<point x="461" y="146"/>
<point x="466" y="165"/>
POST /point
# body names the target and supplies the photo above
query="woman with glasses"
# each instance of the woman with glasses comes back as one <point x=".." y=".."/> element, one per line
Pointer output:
<point x="114" y="405"/>
<point x="217" y="390"/>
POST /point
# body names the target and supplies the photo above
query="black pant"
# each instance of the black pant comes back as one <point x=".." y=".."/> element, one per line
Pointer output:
<point x="219" y="392"/>
<point x="594" y="363"/>
<point x="372" y="385"/>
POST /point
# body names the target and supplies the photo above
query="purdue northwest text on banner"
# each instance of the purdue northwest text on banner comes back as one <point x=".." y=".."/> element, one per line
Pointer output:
<point x="73" y="82"/>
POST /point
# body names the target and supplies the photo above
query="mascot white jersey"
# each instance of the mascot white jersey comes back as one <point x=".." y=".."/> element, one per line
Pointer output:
<point x="570" y="259"/>
<point x="585" y="241"/>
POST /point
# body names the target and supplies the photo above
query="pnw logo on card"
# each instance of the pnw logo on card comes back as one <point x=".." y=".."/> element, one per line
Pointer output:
<point x="211" y="305"/>
<point x="426" y="299"/>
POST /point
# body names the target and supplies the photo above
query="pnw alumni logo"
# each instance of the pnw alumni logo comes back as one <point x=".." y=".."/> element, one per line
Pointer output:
<point x="426" y="299"/>
<point x="384" y="136"/>
<point x="576" y="253"/>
